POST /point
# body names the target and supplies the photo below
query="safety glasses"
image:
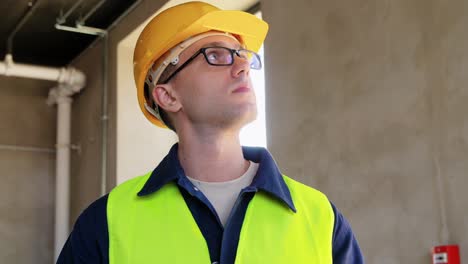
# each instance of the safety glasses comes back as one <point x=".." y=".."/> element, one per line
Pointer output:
<point x="221" y="56"/>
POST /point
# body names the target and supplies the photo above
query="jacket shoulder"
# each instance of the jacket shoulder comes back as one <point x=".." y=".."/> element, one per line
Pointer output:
<point x="134" y="184"/>
<point x="305" y="190"/>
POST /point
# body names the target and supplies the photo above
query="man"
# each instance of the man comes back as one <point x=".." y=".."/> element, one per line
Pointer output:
<point x="210" y="200"/>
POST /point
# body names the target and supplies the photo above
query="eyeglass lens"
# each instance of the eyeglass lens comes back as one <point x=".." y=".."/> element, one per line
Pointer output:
<point x="224" y="56"/>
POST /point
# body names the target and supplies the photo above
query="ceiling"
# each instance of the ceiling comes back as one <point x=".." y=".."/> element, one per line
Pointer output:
<point x="39" y="42"/>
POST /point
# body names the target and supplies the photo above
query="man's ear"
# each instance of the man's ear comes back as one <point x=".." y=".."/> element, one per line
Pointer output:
<point x="165" y="97"/>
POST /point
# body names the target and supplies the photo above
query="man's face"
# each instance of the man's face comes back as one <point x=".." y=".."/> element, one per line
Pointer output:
<point x="217" y="96"/>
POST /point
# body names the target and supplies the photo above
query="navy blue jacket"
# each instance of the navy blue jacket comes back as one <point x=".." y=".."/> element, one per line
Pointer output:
<point x="89" y="242"/>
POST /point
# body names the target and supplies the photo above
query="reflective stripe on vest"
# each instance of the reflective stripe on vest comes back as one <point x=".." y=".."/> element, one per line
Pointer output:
<point x="159" y="228"/>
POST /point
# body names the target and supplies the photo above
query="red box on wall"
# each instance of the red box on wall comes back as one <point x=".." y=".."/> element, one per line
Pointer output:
<point x="446" y="254"/>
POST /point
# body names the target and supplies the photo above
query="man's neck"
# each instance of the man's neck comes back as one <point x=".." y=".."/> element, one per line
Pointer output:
<point x="212" y="157"/>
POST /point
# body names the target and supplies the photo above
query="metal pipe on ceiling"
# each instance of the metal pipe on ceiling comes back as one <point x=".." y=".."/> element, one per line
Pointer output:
<point x="32" y="6"/>
<point x="82" y="29"/>
<point x="63" y="18"/>
<point x="110" y="28"/>
<point x="82" y="21"/>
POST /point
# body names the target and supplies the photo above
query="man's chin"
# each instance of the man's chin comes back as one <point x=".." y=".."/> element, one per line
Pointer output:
<point x="249" y="117"/>
<point x="239" y="120"/>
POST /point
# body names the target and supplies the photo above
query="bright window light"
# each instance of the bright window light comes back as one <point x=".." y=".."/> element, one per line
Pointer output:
<point x="254" y="134"/>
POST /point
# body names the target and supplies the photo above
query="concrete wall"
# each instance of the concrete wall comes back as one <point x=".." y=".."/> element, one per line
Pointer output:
<point x="27" y="178"/>
<point x="85" y="171"/>
<point x="373" y="95"/>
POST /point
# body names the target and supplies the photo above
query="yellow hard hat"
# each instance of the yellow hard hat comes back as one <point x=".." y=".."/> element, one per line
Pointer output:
<point x="178" y="23"/>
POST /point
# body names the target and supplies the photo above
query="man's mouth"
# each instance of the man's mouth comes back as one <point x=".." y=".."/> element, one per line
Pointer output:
<point x="241" y="89"/>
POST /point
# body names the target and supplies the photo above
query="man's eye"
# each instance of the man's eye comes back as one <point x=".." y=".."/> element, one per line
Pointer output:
<point x="213" y="56"/>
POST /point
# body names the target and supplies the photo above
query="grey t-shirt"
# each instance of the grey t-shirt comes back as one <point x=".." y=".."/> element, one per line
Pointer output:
<point x="223" y="195"/>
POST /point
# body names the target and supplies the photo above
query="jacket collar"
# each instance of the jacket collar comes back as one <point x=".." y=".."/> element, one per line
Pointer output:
<point x="268" y="178"/>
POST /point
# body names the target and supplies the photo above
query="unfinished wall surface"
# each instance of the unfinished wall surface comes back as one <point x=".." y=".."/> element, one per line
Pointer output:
<point x="85" y="170"/>
<point x="27" y="178"/>
<point x="367" y="101"/>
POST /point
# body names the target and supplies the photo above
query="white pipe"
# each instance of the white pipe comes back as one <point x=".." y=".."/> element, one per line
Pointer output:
<point x="62" y="165"/>
<point x="65" y="76"/>
<point x="9" y="68"/>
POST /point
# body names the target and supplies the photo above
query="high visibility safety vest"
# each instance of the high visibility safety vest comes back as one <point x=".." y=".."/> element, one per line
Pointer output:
<point x="159" y="228"/>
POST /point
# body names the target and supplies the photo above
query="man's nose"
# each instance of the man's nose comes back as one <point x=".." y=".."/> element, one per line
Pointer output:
<point x="240" y="66"/>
